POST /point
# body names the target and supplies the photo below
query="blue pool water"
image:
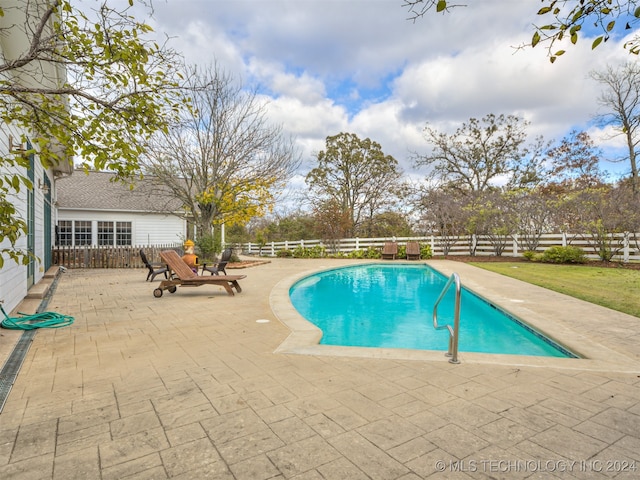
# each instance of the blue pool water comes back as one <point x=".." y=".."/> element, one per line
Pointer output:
<point x="391" y="306"/>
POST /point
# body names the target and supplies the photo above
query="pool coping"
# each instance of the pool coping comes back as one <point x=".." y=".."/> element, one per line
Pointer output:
<point x="536" y="306"/>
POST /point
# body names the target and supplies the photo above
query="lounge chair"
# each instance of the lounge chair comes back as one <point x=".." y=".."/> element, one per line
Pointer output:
<point x="413" y="251"/>
<point x="153" y="269"/>
<point x="220" y="266"/>
<point x="390" y="250"/>
<point x="182" y="275"/>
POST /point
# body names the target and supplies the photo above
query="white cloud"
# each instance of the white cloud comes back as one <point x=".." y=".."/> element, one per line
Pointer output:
<point x="359" y="66"/>
<point x="304" y="87"/>
<point x="607" y="137"/>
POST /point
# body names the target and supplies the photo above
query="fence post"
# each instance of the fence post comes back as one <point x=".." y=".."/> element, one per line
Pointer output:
<point x="273" y="249"/>
<point x="357" y="243"/>
<point x="515" y="245"/>
<point x="564" y="239"/>
<point x="625" y="255"/>
<point x="433" y="245"/>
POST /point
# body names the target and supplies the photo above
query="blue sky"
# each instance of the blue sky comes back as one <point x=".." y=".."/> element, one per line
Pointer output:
<point x="360" y="66"/>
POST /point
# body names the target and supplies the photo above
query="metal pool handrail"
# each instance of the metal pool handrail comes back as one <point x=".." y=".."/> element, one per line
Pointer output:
<point x="453" y="332"/>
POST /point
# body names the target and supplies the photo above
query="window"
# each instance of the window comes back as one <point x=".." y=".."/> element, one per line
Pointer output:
<point x="105" y="233"/>
<point x="123" y="233"/>
<point x="82" y="232"/>
<point x="65" y="233"/>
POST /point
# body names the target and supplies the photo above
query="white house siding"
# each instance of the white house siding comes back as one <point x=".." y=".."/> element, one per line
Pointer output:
<point x="13" y="277"/>
<point x="147" y="228"/>
<point x="14" y="280"/>
<point x="159" y="229"/>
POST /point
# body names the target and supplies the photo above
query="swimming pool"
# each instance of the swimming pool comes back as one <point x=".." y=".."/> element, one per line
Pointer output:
<point x="391" y="305"/>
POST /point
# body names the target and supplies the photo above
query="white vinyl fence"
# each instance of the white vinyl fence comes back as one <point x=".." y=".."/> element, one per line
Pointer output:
<point x="626" y="246"/>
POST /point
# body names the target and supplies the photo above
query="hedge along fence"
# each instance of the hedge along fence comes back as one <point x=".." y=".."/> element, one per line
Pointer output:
<point x="624" y="247"/>
<point x="108" y="257"/>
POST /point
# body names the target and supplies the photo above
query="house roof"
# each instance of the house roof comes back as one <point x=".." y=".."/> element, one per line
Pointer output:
<point x="100" y="191"/>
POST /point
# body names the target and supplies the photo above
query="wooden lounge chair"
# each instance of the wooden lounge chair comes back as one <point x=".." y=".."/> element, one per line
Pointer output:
<point x="153" y="269"/>
<point x="182" y="275"/>
<point x="413" y="251"/>
<point x="390" y="250"/>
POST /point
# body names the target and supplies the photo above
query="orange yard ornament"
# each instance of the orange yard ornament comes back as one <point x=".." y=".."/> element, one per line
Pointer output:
<point x="189" y="257"/>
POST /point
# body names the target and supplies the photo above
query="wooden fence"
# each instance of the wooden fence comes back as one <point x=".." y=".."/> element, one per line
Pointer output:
<point x="625" y="245"/>
<point x="108" y="257"/>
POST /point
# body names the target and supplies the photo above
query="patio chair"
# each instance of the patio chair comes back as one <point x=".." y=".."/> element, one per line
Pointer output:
<point x="182" y="275"/>
<point x="154" y="269"/>
<point x="389" y="251"/>
<point x="413" y="251"/>
<point x="220" y="266"/>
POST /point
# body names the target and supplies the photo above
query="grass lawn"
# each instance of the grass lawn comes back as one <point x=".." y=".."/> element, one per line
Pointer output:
<point x="615" y="288"/>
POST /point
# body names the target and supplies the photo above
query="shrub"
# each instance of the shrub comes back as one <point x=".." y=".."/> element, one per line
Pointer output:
<point x="531" y="255"/>
<point x="372" y="253"/>
<point x="283" y="253"/>
<point x="568" y="254"/>
<point x="313" y="252"/>
<point x="317" y="252"/>
<point x="207" y="247"/>
<point x="369" y="253"/>
<point x="425" y="252"/>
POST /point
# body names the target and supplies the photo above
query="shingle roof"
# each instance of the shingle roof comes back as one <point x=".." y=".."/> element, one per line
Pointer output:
<point x="98" y="191"/>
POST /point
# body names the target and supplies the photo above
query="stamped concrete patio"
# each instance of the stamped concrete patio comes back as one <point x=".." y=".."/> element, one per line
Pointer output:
<point x="192" y="386"/>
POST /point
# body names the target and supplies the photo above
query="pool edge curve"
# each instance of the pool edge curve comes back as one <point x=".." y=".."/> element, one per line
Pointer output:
<point x="304" y="337"/>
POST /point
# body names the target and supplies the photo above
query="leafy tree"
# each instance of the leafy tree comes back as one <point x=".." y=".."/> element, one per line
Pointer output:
<point x="443" y="213"/>
<point x="574" y="164"/>
<point x="532" y="211"/>
<point x="237" y="234"/>
<point x="573" y="168"/>
<point x="87" y="84"/>
<point x="356" y="175"/>
<point x="491" y="213"/>
<point x="293" y="226"/>
<point x="621" y="98"/>
<point x="563" y="20"/>
<point x="603" y="214"/>
<point x="222" y="159"/>
<point x="567" y="212"/>
<point x="388" y="224"/>
<point x="631" y="215"/>
<point x="482" y="153"/>
<point x="332" y="221"/>
<point x="297" y="226"/>
<point x="261" y="240"/>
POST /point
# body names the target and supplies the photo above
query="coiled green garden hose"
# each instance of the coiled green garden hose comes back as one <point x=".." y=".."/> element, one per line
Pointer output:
<point x="37" y="320"/>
